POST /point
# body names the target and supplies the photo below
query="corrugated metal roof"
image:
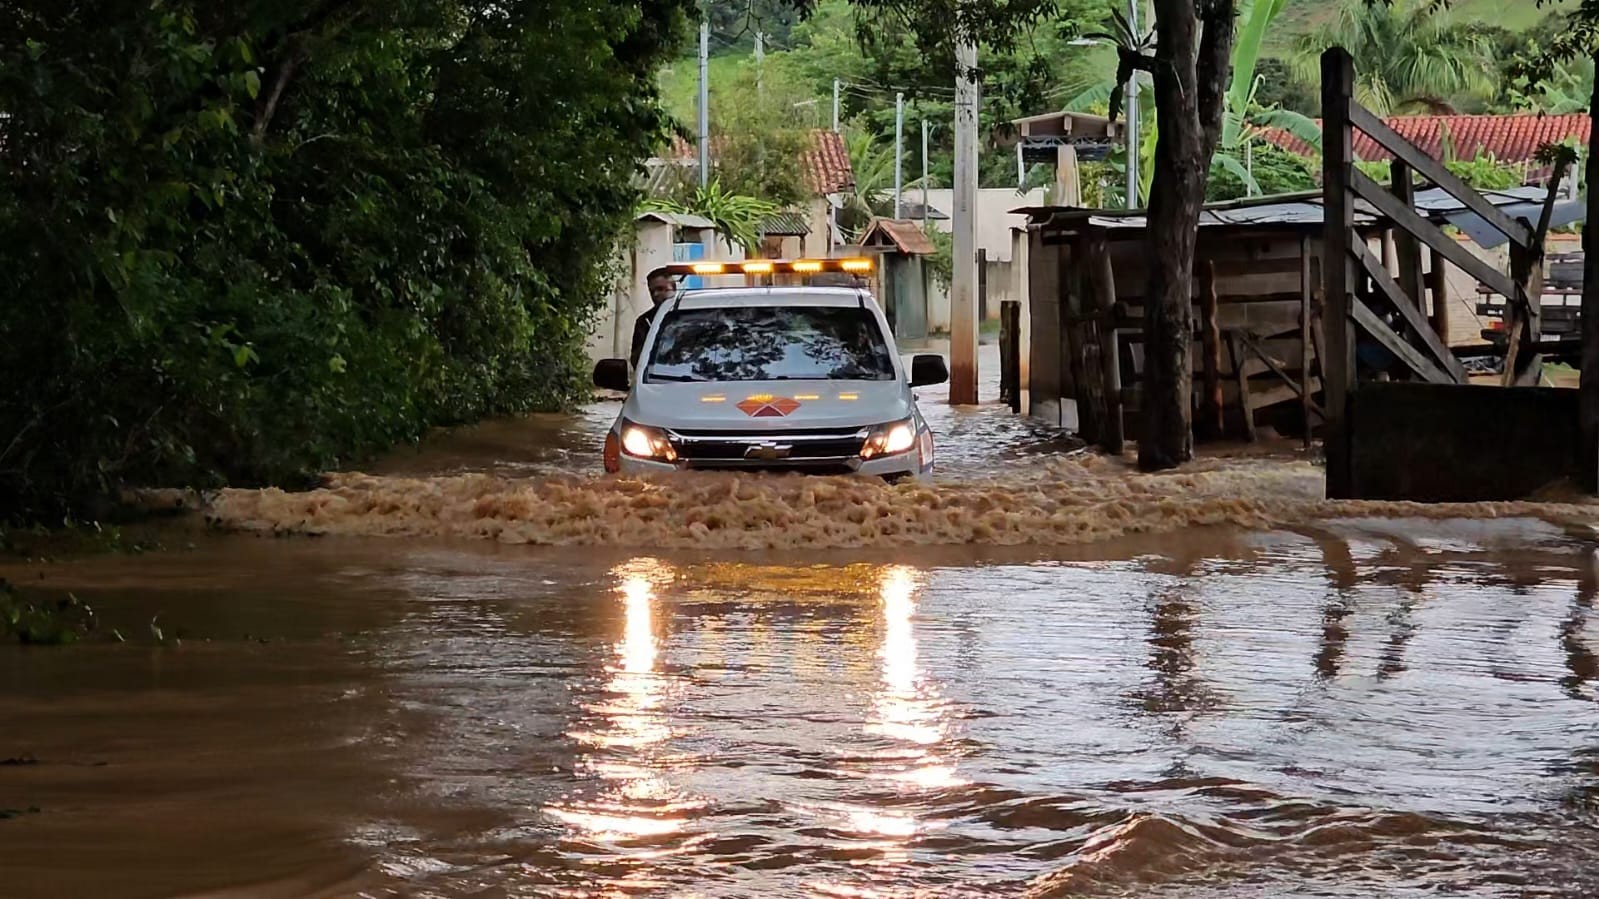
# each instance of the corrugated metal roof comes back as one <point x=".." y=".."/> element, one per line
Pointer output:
<point x="1304" y="210"/>
<point x="786" y="224"/>
<point x="676" y="219"/>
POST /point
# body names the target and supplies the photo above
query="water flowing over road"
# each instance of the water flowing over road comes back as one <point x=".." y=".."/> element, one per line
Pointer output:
<point x="1393" y="702"/>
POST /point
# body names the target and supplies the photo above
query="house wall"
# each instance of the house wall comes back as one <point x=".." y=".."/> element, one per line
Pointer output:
<point x="994" y="221"/>
<point x="937" y="307"/>
<point x="817" y="244"/>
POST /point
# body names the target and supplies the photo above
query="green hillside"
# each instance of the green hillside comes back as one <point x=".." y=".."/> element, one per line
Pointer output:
<point x="1302" y="16"/>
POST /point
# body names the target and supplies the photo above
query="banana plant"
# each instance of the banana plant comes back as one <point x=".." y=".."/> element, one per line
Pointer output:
<point x="736" y="217"/>
<point x="1243" y="119"/>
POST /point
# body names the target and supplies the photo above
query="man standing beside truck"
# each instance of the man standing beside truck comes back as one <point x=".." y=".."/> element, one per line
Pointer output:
<point x="662" y="287"/>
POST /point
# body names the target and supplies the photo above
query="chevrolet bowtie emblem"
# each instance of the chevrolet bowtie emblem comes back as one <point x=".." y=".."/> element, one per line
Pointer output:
<point x="767" y="451"/>
<point x="768" y="406"/>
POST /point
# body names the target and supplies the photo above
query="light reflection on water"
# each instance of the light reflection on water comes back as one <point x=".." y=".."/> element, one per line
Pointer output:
<point x="1356" y="709"/>
<point x="638" y="801"/>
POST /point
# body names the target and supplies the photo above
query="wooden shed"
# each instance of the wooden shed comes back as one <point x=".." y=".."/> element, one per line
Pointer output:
<point x="1257" y="309"/>
<point x="1257" y="273"/>
<point x="901" y="246"/>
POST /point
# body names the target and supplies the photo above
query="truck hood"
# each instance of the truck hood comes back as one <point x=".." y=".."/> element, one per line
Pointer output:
<point x="768" y="405"/>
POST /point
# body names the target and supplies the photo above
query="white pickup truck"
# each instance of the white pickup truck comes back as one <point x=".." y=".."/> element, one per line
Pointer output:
<point x="796" y="378"/>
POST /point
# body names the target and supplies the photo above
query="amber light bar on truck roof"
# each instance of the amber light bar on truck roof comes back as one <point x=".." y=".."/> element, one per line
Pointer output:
<point x="856" y="265"/>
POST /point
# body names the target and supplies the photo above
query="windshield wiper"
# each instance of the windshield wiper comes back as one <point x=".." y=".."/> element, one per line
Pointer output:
<point x="681" y="379"/>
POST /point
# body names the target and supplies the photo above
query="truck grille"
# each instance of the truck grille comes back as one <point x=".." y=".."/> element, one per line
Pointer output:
<point x="834" y="448"/>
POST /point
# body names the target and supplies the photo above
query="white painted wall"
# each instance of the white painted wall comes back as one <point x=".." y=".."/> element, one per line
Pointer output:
<point x="994" y="221"/>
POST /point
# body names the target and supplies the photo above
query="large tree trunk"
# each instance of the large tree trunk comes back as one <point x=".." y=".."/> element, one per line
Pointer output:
<point x="1588" y="401"/>
<point x="1190" y="71"/>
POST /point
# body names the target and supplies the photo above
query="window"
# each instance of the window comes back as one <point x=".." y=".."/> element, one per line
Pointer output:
<point x="767" y="343"/>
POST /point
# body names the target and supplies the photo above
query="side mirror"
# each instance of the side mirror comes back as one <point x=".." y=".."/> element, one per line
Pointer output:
<point x="611" y="374"/>
<point x="928" y="369"/>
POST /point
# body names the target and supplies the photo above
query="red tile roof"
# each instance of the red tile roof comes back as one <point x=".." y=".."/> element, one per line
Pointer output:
<point x="826" y="161"/>
<point x="827" y="165"/>
<point x="1510" y="138"/>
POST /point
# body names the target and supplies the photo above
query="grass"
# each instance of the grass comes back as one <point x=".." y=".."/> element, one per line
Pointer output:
<point x="680" y="84"/>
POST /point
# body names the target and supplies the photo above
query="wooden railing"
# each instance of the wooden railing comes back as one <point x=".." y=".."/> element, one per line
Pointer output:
<point x="1359" y="288"/>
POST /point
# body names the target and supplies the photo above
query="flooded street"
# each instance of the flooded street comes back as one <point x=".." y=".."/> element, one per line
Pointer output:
<point x="1216" y="697"/>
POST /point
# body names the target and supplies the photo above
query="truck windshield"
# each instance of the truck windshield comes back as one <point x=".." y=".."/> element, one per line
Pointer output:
<point x="770" y="343"/>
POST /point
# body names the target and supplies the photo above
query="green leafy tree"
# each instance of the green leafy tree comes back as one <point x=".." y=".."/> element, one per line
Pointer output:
<point x="1410" y="56"/>
<point x="759" y="141"/>
<point x="260" y="238"/>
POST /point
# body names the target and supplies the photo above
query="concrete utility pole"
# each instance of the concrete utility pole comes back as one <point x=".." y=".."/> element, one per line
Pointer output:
<point x="963" y="290"/>
<point x="899" y="156"/>
<point x="705" y="103"/>
<point x="1132" y="115"/>
<point x="924" y="174"/>
<point x="760" y="59"/>
<point x="836" y="85"/>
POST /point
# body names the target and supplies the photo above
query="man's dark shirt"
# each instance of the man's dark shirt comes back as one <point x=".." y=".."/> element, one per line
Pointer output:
<point x="641" y="331"/>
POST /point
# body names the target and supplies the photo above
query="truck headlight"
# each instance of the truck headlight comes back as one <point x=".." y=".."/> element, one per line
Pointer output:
<point x="891" y="439"/>
<point x="643" y="442"/>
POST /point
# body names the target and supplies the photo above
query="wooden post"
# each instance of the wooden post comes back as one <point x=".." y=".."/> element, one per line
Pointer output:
<point x="1526" y="269"/>
<point x="982" y="287"/>
<point x="1338" y="365"/>
<point x="1304" y="333"/>
<point x="1010" y="354"/>
<point x="1210" y="425"/>
<point x="1113" y="430"/>
<point x="1407" y="250"/>
<point x="1516" y="310"/>
<point x="1438" y="279"/>
<point x="1245" y="405"/>
<point x="1588" y="320"/>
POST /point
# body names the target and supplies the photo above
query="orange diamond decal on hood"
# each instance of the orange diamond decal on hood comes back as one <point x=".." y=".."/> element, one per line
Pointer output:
<point x="768" y="406"/>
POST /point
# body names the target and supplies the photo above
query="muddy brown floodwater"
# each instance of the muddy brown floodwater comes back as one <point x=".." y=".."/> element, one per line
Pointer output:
<point x="1328" y="701"/>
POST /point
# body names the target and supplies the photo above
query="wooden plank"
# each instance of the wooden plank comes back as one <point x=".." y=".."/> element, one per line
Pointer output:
<point x="1264" y="397"/>
<point x="1271" y="265"/>
<point x="1307" y="404"/>
<point x="1338" y="360"/>
<point x="1245" y="406"/>
<point x="1272" y="365"/>
<point x="1209" y="425"/>
<point x="1430" y="234"/>
<point x="1067" y="354"/>
<point x="1407" y="250"/>
<point x="1102" y="277"/>
<point x="1412" y="315"/>
<point x="1434" y="171"/>
<point x="1277" y="317"/>
<point x="1072" y="308"/>
<point x="1412" y="357"/>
